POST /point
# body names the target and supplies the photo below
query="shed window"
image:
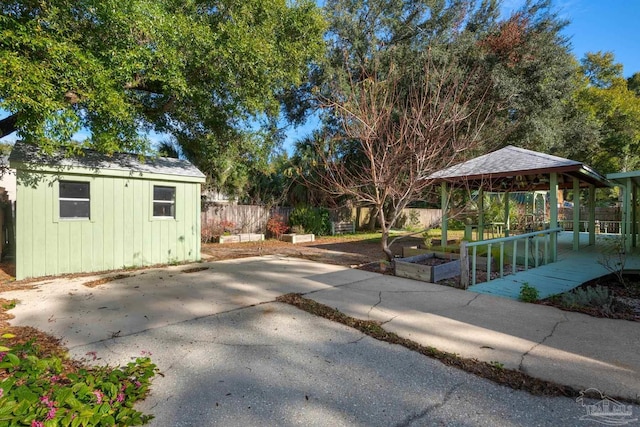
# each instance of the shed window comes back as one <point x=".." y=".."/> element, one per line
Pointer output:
<point x="164" y="201"/>
<point x="74" y="200"/>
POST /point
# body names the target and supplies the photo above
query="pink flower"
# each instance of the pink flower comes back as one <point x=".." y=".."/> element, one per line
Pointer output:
<point x="46" y="401"/>
<point x="120" y="397"/>
<point x="138" y="383"/>
<point x="2" y="355"/>
<point x="35" y="423"/>
<point x="1" y="392"/>
<point x="98" y="394"/>
<point x="55" y="378"/>
<point x="52" y="413"/>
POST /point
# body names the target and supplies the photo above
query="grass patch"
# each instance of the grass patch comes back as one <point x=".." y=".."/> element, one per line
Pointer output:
<point x="493" y="371"/>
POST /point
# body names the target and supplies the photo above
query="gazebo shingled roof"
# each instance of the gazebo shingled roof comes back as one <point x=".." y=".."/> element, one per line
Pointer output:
<point x="498" y="170"/>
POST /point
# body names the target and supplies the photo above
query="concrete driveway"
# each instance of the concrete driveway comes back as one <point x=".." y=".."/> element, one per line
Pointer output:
<point x="232" y="356"/>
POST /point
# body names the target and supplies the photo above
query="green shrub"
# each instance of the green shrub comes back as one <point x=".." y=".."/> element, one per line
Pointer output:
<point x="455" y="224"/>
<point x="312" y="220"/>
<point x="528" y="293"/>
<point x="39" y="392"/>
<point x="594" y="296"/>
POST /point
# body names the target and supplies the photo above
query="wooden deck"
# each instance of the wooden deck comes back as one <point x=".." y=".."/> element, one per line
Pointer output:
<point x="572" y="269"/>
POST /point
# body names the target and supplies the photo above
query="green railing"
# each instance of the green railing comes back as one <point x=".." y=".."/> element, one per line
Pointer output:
<point x="543" y="244"/>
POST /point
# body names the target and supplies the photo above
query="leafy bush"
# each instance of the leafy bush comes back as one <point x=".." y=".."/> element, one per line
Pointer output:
<point x="276" y="226"/>
<point x="594" y="296"/>
<point x="312" y="220"/>
<point x="528" y="293"/>
<point x="455" y="224"/>
<point x="39" y="392"/>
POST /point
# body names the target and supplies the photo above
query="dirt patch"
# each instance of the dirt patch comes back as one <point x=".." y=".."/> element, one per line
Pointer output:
<point x="102" y="281"/>
<point x="432" y="261"/>
<point x="195" y="269"/>
<point x="339" y="250"/>
<point x="47" y="344"/>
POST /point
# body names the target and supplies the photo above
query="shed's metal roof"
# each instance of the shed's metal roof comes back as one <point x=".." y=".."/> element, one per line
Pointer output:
<point x="512" y="161"/>
<point x="29" y="154"/>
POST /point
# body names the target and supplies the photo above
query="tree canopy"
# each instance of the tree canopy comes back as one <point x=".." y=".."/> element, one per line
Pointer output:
<point x="195" y="69"/>
<point x="611" y="106"/>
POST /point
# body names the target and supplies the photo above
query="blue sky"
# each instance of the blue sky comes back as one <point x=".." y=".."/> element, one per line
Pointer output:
<point x="601" y="25"/>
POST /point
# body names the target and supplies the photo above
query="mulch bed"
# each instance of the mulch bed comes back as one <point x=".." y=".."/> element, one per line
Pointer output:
<point x="627" y="306"/>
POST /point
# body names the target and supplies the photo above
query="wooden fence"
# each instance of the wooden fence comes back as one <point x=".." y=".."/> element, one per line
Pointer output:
<point x="241" y="218"/>
<point x="418" y="218"/>
<point x="253" y="219"/>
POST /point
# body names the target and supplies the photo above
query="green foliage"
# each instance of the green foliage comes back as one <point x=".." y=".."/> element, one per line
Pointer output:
<point x="38" y="393"/>
<point x="456" y="224"/>
<point x="533" y="69"/>
<point x="598" y="297"/>
<point x="9" y="305"/>
<point x="203" y="72"/>
<point x="313" y="220"/>
<point x="497" y="365"/>
<point x="611" y="106"/>
<point x="528" y="293"/>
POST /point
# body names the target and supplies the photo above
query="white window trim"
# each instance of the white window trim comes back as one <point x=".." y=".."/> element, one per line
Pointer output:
<point x="59" y="199"/>
<point x="166" y="202"/>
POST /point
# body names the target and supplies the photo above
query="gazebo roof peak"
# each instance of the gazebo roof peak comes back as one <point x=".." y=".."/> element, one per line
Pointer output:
<point x="513" y="161"/>
<point x="509" y="159"/>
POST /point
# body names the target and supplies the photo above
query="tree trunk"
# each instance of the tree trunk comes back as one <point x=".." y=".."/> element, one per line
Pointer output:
<point x="373" y="214"/>
<point x="384" y="242"/>
<point x="8" y="125"/>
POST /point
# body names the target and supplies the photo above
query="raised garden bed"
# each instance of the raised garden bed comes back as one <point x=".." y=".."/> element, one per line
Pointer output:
<point x="239" y="238"/>
<point x="481" y="261"/>
<point x="428" y="267"/>
<point x="298" y="238"/>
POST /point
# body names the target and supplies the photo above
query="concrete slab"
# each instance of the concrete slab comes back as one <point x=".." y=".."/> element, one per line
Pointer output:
<point x="155" y="298"/>
<point x="231" y="356"/>
<point x="569" y="348"/>
<point x="275" y="365"/>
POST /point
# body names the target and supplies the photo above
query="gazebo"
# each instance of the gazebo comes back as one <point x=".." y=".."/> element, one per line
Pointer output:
<point x="513" y="169"/>
<point x="629" y="181"/>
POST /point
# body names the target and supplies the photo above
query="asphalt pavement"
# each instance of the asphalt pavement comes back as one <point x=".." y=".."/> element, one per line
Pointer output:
<point x="230" y="356"/>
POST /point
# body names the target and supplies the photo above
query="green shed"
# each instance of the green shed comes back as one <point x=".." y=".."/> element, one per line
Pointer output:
<point x="94" y="212"/>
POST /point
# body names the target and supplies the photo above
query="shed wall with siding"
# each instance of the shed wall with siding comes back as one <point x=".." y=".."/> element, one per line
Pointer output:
<point x="121" y="231"/>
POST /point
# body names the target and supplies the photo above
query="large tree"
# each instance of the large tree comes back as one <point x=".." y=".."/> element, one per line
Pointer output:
<point x="395" y="134"/>
<point x="196" y="69"/>
<point x="611" y="105"/>
<point x="412" y="86"/>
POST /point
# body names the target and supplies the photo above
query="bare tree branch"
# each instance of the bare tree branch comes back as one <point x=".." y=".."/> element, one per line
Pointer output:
<point x="397" y="132"/>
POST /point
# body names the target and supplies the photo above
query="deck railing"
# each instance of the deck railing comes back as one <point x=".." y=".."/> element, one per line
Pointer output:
<point x="544" y="245"/>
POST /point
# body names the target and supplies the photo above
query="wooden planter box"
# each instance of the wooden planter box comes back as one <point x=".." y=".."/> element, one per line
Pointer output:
<point x="408" y="267"/>
<point x="481" y="261"/>
<point x="298" y="238"/>
<point x="239" y="238"/>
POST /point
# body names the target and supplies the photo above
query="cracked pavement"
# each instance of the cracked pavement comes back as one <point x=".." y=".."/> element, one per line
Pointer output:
<point x="232" y="356"/>
<point x="565" y="347"/>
